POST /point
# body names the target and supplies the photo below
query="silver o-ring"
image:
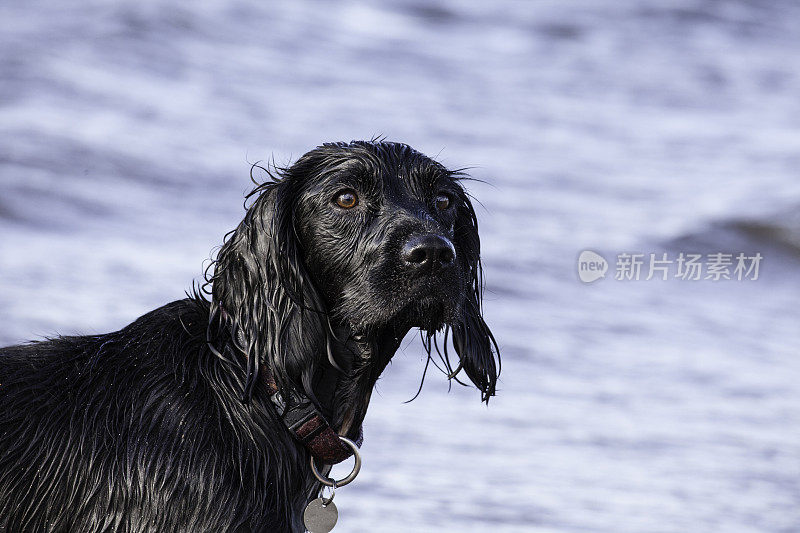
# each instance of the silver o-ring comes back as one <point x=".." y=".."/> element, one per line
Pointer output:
<point x="328" y="482"/>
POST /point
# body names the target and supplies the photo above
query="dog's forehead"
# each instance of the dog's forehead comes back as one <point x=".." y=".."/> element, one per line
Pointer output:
<point x="404" y="172"/>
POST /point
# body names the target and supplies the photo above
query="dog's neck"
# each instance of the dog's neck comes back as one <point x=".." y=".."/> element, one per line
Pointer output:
<point x="361" y="359"/>
<point x="355" y="361"/>
<point x="342" y="387"/>
<point x="342" y="384"/>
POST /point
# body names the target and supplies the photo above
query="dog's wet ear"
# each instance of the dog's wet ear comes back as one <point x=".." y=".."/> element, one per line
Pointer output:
<point x="260" y="288"/>
<point x="472" y="339"/>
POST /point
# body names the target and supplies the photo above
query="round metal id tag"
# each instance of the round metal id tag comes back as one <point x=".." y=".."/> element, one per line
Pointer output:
<point x="321" y="514"/>
<point x="320" y="517"/>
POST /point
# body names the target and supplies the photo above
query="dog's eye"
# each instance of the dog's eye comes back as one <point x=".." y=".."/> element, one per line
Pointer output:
<point x="347" y="199"/>
<point x="442" y="201"/>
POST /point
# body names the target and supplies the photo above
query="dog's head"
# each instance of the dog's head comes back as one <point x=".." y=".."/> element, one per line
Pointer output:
<point x="339" y="256"/>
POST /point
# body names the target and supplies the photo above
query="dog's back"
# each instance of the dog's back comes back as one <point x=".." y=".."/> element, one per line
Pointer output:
<point x="136" y="430"/>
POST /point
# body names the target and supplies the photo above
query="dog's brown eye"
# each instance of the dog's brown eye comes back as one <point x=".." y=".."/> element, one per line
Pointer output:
<point x="347" y="199"/>
<point x="442" y="202"/>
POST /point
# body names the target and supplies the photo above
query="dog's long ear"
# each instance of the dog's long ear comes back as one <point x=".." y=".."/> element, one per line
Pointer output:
<point x="266" y="303"/>
<point x="473" y="341"/>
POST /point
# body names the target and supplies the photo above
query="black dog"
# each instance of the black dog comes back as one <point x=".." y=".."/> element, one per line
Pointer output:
<point x="202" y="415"/>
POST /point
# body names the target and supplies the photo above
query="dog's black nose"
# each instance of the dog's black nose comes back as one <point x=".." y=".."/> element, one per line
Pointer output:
<point x="428" y="251"/>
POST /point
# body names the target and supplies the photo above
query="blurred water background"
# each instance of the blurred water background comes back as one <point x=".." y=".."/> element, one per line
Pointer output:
<point x="126" y="133"/>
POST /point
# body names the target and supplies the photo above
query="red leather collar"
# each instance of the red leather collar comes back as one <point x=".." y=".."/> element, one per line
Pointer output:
<point x="307" y="424"/>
